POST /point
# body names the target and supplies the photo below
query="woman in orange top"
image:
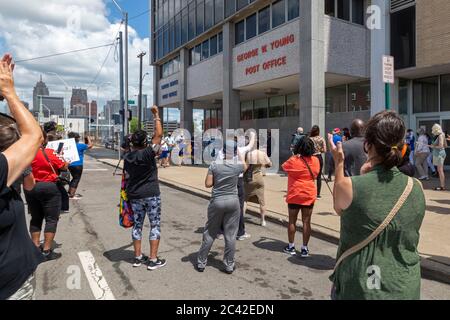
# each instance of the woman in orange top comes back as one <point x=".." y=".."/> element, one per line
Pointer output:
<point x="302" y="169"/>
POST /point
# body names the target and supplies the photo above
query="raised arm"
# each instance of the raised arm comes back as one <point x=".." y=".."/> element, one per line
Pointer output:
<point x="158" y="126"/>
<point x="20" y="154"/>
<point x="89" y="142"/>
<point x="343" y="191"/>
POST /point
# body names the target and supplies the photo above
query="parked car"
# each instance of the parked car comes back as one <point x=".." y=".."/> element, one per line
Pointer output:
<point x="110" y="144"/>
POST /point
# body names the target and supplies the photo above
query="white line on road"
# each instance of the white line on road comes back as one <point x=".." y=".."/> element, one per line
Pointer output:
<point x="95" y="170"/>
<point x="94" y="275"/>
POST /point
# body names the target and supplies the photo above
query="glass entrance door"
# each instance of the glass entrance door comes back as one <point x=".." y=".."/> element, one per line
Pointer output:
<point x="427" y="124"/>
<point x="446" y="129"/>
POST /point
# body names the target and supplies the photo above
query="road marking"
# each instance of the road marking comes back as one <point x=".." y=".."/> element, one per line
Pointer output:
<point x="95" y="170"/>
<point x="94" y="275"/>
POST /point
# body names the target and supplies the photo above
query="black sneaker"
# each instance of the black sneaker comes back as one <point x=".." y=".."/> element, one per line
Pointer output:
<point x="227" y="271"/>
<point x="290" y="250"/>
<point x="51" y="255"/>
<point x="156" y="265"/>
<point x="200" y="269"/>
<point x="139" y="261"/>
<point x="304" y="252"/>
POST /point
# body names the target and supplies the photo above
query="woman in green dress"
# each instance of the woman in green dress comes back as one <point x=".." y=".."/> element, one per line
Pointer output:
<point x="388" y="267"/>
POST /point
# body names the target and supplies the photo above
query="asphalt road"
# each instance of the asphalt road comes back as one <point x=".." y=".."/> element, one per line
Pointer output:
<point x="263" y="271"/>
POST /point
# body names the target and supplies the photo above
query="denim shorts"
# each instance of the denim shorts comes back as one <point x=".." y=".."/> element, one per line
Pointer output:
<point x="152" y="208"/>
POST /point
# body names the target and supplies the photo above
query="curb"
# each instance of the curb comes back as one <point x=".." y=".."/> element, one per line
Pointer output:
<point x="431" y="270"/>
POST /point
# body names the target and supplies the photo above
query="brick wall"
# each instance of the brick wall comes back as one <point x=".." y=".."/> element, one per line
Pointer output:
<point x="433" y="32"/>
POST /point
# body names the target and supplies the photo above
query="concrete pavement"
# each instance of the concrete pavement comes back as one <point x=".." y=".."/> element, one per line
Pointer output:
<point x="263" y="271"/>
<point x="434" y="246"/>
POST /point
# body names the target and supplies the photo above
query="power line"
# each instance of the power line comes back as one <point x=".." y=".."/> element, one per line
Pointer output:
<point x="107" y="56"/>
<point x="63" y="53"/>
<point x="140" y="14"/>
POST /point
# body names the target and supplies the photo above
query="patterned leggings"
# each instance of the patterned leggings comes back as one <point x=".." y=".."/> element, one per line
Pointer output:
<point x="151" y="207"/>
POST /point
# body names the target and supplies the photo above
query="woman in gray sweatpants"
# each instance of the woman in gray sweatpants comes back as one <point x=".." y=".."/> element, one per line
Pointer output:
<point x="224" y="207"/>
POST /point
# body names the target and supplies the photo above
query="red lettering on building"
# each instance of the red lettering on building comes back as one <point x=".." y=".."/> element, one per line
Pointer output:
<point x="282" y="42"/>
<point x="252" y="70"/>
<point x="247" y="55"/>
<point x="274" y="63"/>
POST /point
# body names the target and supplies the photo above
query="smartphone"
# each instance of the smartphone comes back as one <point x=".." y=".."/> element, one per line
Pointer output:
<point x="60" y="147"/>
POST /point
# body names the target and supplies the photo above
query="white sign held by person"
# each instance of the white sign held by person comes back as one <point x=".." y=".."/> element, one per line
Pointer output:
<point x="69" y="149"/>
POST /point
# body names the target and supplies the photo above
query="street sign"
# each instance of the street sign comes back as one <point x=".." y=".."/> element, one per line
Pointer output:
<point x="131" y="102"/>
<point x="388" y="69"/>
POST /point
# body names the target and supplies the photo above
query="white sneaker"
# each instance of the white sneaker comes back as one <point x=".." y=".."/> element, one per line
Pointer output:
<point x="263" y="223"/>
<point x="219" y="237"/>
<point x="244" y="237"/>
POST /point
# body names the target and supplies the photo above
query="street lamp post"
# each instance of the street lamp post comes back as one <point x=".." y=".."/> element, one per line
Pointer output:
<point x="65" y="98"/>
<point x="98" y="88"/>
<point x="125" y="18"/>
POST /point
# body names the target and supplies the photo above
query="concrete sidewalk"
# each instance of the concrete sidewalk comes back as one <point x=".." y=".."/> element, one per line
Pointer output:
<point x="434" y="246"/>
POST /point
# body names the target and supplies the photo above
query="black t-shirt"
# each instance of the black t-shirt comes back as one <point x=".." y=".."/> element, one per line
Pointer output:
<point x="19" y="257"/>
<point x="143" y="174"/>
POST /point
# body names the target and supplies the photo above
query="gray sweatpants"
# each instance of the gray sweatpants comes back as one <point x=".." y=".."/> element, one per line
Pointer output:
<point x="226" y="212"/>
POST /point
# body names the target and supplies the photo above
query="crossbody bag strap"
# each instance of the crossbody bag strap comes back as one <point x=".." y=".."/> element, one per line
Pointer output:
<point x="309" y="168"/>
<point x="49" y="162"/>
<point x="382" y="226"/>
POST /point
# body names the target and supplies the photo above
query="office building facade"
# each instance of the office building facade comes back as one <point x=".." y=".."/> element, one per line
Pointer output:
<point x="287" y="63"/>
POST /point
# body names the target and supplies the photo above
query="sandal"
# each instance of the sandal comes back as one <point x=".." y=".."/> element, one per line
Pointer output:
<point x="439" y="189"/>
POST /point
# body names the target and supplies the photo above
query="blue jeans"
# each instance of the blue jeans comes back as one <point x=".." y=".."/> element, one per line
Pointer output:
<point x="151" y="207"/>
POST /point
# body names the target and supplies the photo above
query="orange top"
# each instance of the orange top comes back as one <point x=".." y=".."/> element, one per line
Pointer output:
<point x="301" y="186"/>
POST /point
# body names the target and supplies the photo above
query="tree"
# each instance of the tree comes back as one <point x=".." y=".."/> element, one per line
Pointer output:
<point x="133" y="125"/>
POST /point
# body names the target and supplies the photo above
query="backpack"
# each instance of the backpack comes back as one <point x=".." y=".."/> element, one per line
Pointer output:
<point x="126" y="215"/>
<point x="296" y="139"/>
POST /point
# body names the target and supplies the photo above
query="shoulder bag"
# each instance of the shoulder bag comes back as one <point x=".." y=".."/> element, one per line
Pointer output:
<point x="401" y="201"/>
<point x="61" y="178"/>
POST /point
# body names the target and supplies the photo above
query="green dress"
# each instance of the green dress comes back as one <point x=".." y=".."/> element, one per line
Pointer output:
<point x="389" y="267"/>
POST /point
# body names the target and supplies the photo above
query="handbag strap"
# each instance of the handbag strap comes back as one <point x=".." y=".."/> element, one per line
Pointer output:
<point x="382" y="226"/>
<point x="49" y="162"/>
<point x="309" y="168"/>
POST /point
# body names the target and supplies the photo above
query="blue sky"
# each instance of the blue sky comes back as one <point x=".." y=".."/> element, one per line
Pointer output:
<point x="134" y="8"/>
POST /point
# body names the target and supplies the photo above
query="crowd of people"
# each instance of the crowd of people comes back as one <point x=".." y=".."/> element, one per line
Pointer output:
<point x="381" y="208"/>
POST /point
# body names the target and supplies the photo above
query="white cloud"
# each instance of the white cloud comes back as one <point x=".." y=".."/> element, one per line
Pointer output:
<point x="42" y="27"/>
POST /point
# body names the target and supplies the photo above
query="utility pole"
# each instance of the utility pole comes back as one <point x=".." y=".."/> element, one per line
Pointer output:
<point x="140" y="56"/>
<point x="126" y="74"/>
<point x="122" y="102"/>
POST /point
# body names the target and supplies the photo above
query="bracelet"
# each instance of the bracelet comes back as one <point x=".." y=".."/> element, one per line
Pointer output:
<point x="157" y="119"/>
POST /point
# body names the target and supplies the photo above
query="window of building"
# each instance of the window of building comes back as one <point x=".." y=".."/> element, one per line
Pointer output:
<point x="403" y="37"/>
<point x="292" y="105"/>
<point x="209" y="14"/>
<point x="293" y="9"/>
<point x="220" y="42"/>
<point x="197" y="53"/>
<point x="330" y="8"/>
<point x="250" y="26"/>
<point x="276" y="107"/>
<point x="205" y="49"/>
<point x="200" y="14"/>
<point x="166" y="12"/>
<point x="239" y="32"/>
<point x="247" y="110"/>
<point x="166" y="39"/>
<point x="403" y="96"/>
<point x="359" y="96"/>
<point x="177" y="6"/>
<point x="336" y="99"/>
<point x="218" y="11"/>
<point x="278" y="13"/>
<point x="260" y="109"/>
<point x="171" y="8"/>
<point x="264" y="20"/>
<point x="178" y="30"/>
<point x="171" y="36"/>
<point x="358" y="11"/>
<point x="445" y="93"/>
<point x="170" y="67"/>
<point x="241" y="4"/>
<point x="213" y="46"/>
<point x="426" y="95"/>
<point x="230" y="7"/>
<point x="191" y="31"/>
<point x="343" y="9"/>
<point x="184" y="26"/>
